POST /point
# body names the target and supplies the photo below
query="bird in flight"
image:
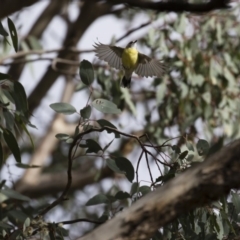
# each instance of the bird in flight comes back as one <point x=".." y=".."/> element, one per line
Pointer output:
<point x="129" y="60"/>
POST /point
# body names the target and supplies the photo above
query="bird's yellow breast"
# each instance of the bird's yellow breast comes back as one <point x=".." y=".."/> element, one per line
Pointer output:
<point x="130" y="58"/>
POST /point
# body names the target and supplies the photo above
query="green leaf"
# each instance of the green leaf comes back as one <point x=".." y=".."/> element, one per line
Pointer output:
<point x="20" y="98"/>
<point x="27" y="132"/>
<point x="69" y="140"/>
<point x="183" y="155"/>
<point x="26" y="166"/>
<point x="9" y="118"/>
<point x="216" y="146"/>
<point x="112" y="165"/>
<point x="167" y="176"/>
<point x="4" y="76"/>
<point x="17" y="215"/>
<point x="107" y="146"/>
<point x="122" y="195"/>
<point x="176" y="149"/>
<point x="161" y="92"/>
<point x="12" y="144"/>
<point x="3" y="32"/>
<point x="62" y="232"/>
<point x="34" y="42"/>
<point x="125" y="165"/>
<point x="62" y="136"/>
<point x="202" y="147"/>
<point x="128" y="99"/>
<point x="1" y="155"/>
<point x="86" y="112"/>
<point x="5" y="225"/>
<point x="236" y="201"/>
<point x="105" y="123"/>
<point x="190" y="157"/>
<point x="134" y="188"/>
<point x="105" y="216"/>
<point x="207" y="97"/>
<point x="105" y="106"/>
<point x="86" y="72"/>
<point x="144" y="190"/>
<point x="27" y="222"/>
<point x="13" y="34"/>
<point x="93" y="146"/>
<point x="190" y="146"/>
<point x="97" y="199"/>
<point x="13" y="194"/>
<point x="64" y="108"/>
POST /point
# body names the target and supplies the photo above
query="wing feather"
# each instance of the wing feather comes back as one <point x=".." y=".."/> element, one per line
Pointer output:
<point x="148" y="67"/>
<point x="110" y="54"/>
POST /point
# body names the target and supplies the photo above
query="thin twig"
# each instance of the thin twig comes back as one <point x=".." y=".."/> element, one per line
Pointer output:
<point x="42" y="52"/>
<point x="62" y="197"/>
<point x="23" y="61"/>
<point x="80" y="220"/>
<point x="149" y="170"/>
<point x="133" y="30"/>
<point x="138" y="164"/>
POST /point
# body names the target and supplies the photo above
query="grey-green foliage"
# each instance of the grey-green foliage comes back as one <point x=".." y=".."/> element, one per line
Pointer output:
<point x="201" y="84"/>
<point x="14" y="106"/>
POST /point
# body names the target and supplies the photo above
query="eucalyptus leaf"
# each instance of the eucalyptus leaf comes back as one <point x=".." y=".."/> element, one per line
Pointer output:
<point x="13" y="34"/>
<point x="202" y="147"/>
<point x="105" y="106"/>
<point x="105" y="123"/>
<point x="93" y="146"/>
<point x="97" y="199"/>
<point x="86" y="72"/>
<point x="122" y="195"/>
<point x="3" y="32"/>
<point x="113" y="166"/>
<point x="12" y="144"/>
<point x="144" y="190"/>
<point x="86" y="112"/>
<point x="125" y="165"/>
<point x="13" y="194"/>
<point x="64" y="108"/>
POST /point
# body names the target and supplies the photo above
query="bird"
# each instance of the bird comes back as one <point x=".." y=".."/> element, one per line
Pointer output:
<point x="130" y="60"/>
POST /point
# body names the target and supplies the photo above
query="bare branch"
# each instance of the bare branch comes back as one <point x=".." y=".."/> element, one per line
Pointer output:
<point x="176" y="6"/>
<point x="80" y="220"/>
<point x="9" y="7"/>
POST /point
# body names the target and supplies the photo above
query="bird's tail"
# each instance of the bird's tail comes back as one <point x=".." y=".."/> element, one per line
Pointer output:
<point x="126" y="82"/>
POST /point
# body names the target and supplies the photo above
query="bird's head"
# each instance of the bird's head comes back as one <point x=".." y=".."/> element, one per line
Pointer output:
<point x="132" y="44"/>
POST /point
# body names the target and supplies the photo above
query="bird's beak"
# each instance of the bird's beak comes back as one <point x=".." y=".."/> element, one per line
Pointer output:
<point x="135" y="41"/>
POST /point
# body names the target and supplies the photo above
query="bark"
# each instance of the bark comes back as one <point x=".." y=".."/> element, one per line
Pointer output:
<point x="53" y="183"/>
<point x="11" y="6"/>
<point x="176" y="5"/>
<point x="195" y="187"/>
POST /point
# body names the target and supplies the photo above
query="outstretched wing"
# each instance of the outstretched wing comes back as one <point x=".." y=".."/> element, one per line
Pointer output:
<point x="148" y="67"/>
<point x="111" y="54"/>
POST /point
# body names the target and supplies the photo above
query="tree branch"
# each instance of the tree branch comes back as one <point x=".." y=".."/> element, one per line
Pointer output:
<point x="37" y="29"/>
<point x="200" y="185"/>
<point x="8" y="7"/>
<point x="176" y="6"/>
<point x="55" y="183"/>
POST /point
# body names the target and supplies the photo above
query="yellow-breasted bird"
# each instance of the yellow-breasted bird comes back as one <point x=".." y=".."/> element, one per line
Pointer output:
<point x="130" y="60"/>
